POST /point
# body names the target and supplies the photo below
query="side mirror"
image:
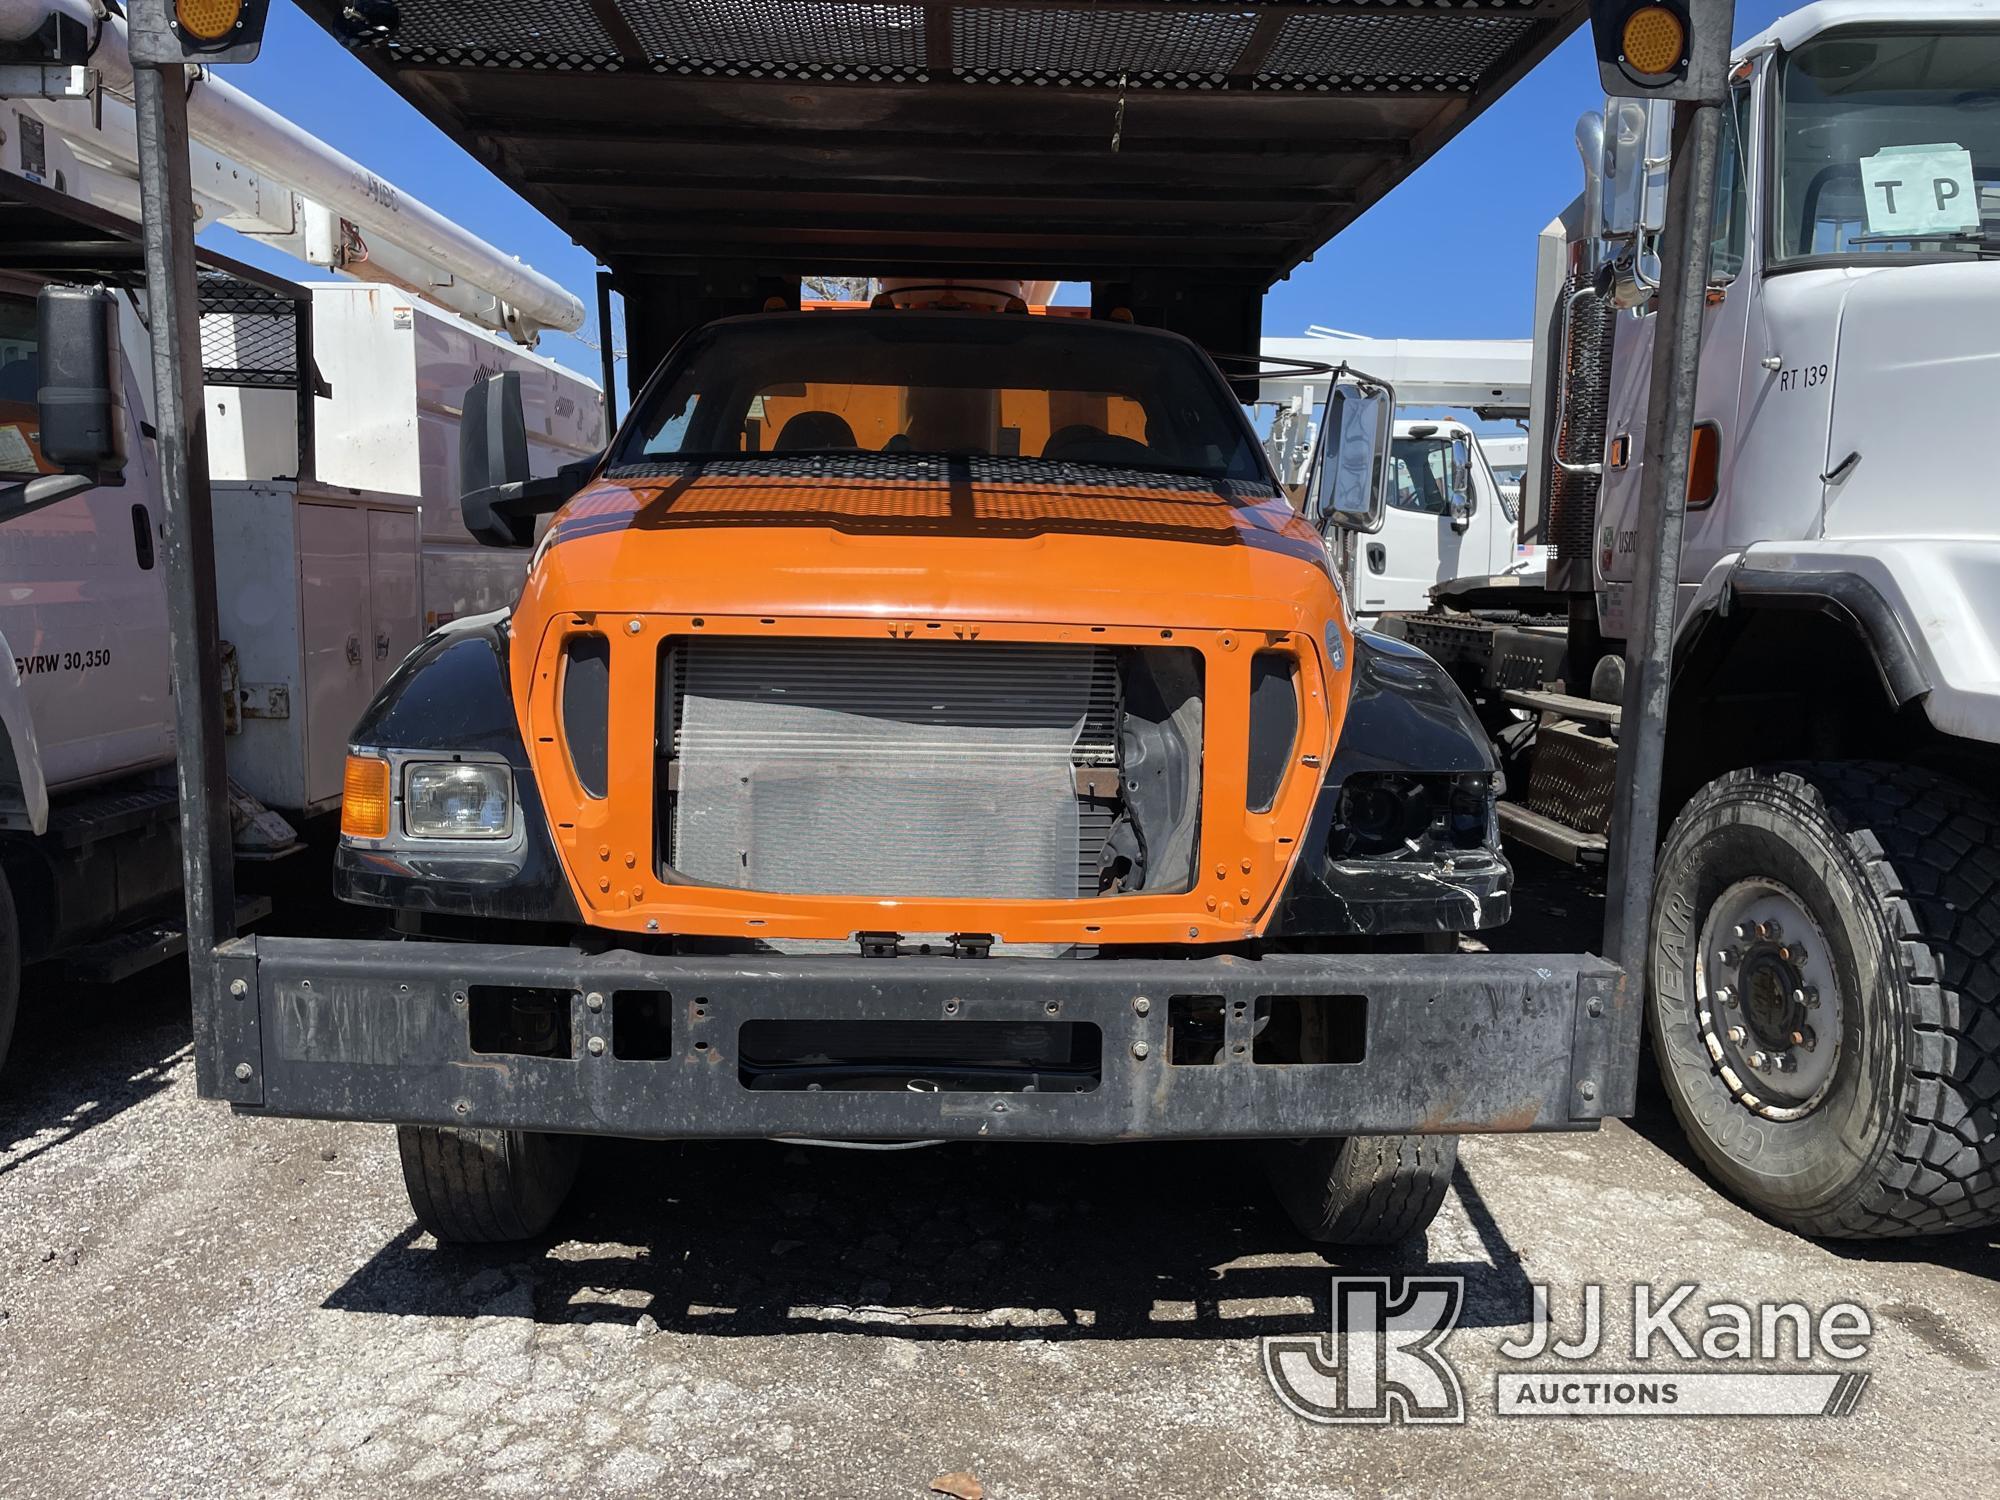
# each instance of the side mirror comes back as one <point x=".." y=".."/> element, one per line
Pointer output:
<point x="1638" y="137"/>
<point x="1638" y="145"/>
<point x="497" y="495"/>
<point x="80" y="403"/>
<point x="1351" y="472"/>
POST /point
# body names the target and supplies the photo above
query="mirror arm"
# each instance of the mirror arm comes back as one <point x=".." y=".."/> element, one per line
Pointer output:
<point x="43" y="490"/>
<point x="522" y="500"/>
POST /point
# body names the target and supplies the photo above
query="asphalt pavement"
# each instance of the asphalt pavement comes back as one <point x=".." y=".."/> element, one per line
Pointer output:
<point x="195" y="1304"/>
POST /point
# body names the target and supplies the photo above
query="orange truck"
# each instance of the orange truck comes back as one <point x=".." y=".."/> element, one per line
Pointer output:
<point x="927" y="722"/>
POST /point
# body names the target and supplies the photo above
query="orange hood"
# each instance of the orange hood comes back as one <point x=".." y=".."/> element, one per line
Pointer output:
<point x="1168" y="552"/>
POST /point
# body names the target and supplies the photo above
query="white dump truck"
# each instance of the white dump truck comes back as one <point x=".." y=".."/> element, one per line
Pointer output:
<point x="1824" y="959"/>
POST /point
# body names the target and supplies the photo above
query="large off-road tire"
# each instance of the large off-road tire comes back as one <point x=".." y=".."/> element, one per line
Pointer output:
<point x="10" y="966"/>
<point x="485" y="1187"/>
<point x="1879" y="1119"/>
<point x="1362" y="1189"/>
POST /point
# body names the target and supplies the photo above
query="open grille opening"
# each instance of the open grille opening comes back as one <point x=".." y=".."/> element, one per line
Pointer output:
<point x="926" y="767"/>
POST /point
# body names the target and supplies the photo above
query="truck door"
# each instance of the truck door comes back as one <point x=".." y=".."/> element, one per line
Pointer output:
<point x="1418" y="546"/>
<point x="84" y="609"/>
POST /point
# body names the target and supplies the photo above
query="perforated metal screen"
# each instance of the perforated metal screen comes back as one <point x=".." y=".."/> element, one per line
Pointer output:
<point x="249" y="334"/>
<point x="737" y="143"/>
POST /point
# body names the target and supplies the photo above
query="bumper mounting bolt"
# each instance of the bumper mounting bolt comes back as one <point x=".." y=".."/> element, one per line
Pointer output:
<point x="1595" y="1007"/>
<point x="1141" y="1051"/>
<point x="594" y="1000"/>
<point x="595" y="1046"/>
<point x="238" y="988"/>
<point x="633" y="627"/>
<point x="1587" y="1089"/>
<point x="1141" y="1005"/>
<point x="243" y="1071"/>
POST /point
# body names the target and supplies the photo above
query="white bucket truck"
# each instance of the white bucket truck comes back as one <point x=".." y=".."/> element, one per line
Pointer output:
<point x="332" y="415"/>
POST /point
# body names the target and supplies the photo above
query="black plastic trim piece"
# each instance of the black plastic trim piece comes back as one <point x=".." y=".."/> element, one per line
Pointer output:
<point x="1405" y="716"/>
<point x="1850" y="598"/>
<point x="453" y="696"/>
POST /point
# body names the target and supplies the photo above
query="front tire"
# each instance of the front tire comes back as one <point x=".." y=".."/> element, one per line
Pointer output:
<point x="485" y="1187"/>
<point x="1362" y="1189"/>
<point x="1825" y="995"/>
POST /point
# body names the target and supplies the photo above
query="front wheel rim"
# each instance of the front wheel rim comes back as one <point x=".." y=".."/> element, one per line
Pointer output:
<point x="1769" y="1006"/>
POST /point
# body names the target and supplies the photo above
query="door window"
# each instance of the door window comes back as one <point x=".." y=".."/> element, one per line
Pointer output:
<point x="1732" y="189"/>
<point x="20" y="380"/>
<point x="1422" y="476"/>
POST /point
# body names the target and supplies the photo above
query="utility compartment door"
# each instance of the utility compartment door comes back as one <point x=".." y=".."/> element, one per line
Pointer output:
<point x="335" y="617"/>
<point x="394" y="590"/>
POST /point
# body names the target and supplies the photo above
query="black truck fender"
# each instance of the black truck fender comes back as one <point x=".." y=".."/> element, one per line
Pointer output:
<point x="1409" y="743"/>
<point x="452" y="695"/>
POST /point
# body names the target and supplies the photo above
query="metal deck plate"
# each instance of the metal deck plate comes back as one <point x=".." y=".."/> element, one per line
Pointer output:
<point x="1082" y="139"/>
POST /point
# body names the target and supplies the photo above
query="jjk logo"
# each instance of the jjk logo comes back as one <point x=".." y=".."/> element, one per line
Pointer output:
<point x="1384" y="1360"/>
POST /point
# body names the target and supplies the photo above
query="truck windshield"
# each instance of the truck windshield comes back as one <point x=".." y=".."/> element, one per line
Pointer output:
<point x="1890" y="145"/>
<point x="780" y="388"/>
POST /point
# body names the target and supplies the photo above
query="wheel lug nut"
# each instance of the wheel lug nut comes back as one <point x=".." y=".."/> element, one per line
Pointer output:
<point x="1736" y="1035"/>
<point x="1812" y="998"/>
<point x="1727" y="996"/>
<point x="1727" y="956"/>
<point x="1806" y="1038"/>
<point x="1773" y="931"/>
<point x="1743" y="931"/>
<point x="1758" y="1060"/>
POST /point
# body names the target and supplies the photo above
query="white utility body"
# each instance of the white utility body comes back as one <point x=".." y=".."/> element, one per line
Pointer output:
<point x="326" y="581"/>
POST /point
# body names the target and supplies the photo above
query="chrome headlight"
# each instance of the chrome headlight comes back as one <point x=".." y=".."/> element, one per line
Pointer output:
<point x="446" y="799"/>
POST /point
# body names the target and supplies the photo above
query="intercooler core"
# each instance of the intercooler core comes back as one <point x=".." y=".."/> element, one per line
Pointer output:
<point x="934" y="768"/>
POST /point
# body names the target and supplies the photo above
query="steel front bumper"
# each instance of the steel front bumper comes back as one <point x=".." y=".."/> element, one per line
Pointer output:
<point x="327" y="1029"/>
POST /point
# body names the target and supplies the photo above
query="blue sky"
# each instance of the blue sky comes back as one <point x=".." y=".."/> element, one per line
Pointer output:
<point x="1448" y="254"/>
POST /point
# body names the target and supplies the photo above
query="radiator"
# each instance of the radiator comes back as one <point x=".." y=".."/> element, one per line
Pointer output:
<point x="889" y="768"/>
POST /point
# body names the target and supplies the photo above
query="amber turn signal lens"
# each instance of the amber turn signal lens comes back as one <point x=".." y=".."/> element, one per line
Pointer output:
<point x="207" y="20"/>
<point x="1704" y="466"/>
<point x="364" y="798"/>
<point x="1653" y="40"/>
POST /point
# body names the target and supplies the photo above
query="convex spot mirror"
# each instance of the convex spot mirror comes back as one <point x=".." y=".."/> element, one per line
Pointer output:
<point x="1350" y="487"/>
<point x="499" y="496"/>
